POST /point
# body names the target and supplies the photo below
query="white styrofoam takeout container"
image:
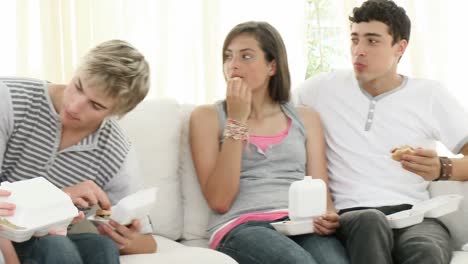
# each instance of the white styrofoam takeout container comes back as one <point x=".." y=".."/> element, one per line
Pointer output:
<point x="133" y="206"/>
<point x="293" y="228"/>
<point x="432" y="208"/>
<point x="40" y="207"/>
<point x="465" y="247"/>
<point x="439" y="205"/>
<point x="405" y="218"/>
<point x="307" y="200"/>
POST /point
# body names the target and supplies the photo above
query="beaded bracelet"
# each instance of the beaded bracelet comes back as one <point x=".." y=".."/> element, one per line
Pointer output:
<point x="236" y="130"/>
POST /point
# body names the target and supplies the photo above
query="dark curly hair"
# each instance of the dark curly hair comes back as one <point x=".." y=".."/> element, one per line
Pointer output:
<point x="387" y="12"/>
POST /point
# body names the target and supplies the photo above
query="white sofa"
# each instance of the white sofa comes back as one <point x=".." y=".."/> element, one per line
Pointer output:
<point x="159" y="131"/>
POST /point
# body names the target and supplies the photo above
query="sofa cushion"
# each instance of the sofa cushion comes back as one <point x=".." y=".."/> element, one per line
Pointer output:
<point x="459" y="257"/>
<point x="456" y="221"/>
<point x="196" y="210"/>
<point x="170" y="252"/>
<point x="154" y="129"/>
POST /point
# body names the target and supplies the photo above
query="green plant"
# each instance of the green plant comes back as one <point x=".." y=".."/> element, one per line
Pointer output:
<point x="324" y="34"/>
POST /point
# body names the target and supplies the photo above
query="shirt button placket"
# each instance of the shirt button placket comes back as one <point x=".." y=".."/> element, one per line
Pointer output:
<point x="370" y="115"/>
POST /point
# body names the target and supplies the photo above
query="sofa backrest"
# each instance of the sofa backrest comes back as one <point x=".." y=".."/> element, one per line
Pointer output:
<point x="154" y="128"/>
<point x="196" y="210"/>
<point x="158" y="130"/>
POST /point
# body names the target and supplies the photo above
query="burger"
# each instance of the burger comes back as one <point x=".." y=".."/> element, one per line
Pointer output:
<point x="103" y="214"/>
<point x="397" y="153"/>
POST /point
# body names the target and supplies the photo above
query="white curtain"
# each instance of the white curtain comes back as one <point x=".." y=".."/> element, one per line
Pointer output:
<point x="182" y="39"/>
<point x="439" y="44"/>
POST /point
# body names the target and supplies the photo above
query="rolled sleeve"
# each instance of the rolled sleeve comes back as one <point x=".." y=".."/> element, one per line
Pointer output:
<point x="451" y="120"/>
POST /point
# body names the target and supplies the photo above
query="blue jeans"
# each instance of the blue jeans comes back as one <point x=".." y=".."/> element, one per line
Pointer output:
<point x="77" y="248"/>
<point x="258" y="242"/>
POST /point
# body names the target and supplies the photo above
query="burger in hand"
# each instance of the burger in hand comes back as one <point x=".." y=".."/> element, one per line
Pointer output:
<point x="103" y="214"/>
<point x="397" y="153"/>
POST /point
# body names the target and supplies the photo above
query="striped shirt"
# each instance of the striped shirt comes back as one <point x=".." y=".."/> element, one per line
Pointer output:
<point x="30" y="131"/>
<point x="32" y="148"/>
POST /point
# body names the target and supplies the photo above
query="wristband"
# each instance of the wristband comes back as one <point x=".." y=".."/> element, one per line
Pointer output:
<point x="445" y="169"/>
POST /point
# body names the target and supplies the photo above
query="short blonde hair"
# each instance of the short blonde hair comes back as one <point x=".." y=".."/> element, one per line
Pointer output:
<point x="120" y="70"/>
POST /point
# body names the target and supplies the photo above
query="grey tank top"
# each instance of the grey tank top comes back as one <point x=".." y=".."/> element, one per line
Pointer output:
<point x="266" y="176"/>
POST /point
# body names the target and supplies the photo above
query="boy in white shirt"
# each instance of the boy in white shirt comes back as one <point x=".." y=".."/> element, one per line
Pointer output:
<point x="365" y="115"/>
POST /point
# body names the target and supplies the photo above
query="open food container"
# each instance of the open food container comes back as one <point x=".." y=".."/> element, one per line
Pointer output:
<point x="307" y="200"/>
<point x="465" y="247"/>
<point x="439" y="205"/>
<point x="40" y="207"/>
<point x="405" y="218"/>
<point x="432" y="208"/>
<point x="133" y="206"/>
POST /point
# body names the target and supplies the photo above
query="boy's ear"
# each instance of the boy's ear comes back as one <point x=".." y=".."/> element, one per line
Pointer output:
<point x="402" y="44"/>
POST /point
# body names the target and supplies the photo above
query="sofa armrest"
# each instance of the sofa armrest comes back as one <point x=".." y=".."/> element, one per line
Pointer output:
<point x="456" y="221"/>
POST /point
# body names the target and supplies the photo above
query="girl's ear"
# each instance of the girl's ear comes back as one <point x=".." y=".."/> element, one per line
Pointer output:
<point x="272" y="68"/>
